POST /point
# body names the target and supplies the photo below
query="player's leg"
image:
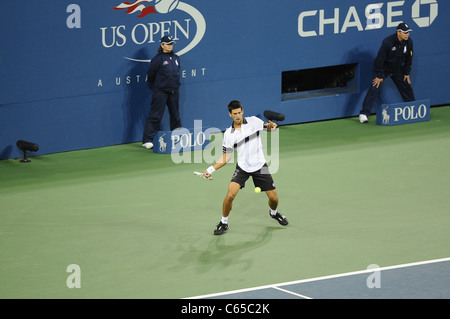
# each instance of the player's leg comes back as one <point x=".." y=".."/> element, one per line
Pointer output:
<point x="237" y="182"/>
<point x="227" y="205"/>
<point x="263" y="179"/>
<point x="273" y="199"/>
<point x="273" y="204"/>
<point x="233" y="189"/>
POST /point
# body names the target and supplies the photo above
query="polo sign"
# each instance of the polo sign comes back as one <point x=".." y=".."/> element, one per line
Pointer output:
<point x="404" y="113"/>
<point x="183" y="139"/>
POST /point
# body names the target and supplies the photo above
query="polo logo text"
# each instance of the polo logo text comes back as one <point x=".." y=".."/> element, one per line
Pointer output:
<point x="404" y="113"/>
<point x="183" y="139"/>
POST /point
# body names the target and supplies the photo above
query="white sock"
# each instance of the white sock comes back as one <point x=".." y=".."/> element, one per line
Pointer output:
<point x="224" y="220"/>
<point x="273" y="212"/>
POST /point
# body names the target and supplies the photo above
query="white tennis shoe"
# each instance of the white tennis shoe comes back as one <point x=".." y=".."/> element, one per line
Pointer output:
<point x="363" y="118"/>
<point x="148" y="145"/>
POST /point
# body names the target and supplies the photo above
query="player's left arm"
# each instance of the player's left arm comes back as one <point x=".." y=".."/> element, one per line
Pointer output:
<point x="271" y="126"/>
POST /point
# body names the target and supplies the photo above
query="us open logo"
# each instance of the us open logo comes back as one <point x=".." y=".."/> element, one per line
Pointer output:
<point x="151" y="28"/>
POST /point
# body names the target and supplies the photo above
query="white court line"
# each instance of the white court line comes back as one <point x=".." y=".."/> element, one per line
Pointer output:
<point x="292" y="293"/>
<point x="277" y="286"/>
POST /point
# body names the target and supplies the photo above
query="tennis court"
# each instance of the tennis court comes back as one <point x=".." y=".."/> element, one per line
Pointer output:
<point x="140" y="226"/>
<point x="421" y="280"/>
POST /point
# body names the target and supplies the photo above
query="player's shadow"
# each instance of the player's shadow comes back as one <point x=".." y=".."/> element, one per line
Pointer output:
<point x="365" y="61"/>
<point x="136" y="104"/>
<point x="6" y="152"/>
<point x="220" y="255"/>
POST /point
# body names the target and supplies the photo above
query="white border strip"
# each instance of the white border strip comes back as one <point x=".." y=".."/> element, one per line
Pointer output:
<point x="292" y="293"/>
<point x="276" y="286"/>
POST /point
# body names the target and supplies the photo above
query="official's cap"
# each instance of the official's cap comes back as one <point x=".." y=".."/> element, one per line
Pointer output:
<point x="403" y="27"/>
<point x="167" y="40"/>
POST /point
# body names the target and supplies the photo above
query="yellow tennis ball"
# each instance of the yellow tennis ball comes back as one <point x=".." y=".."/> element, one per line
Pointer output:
<point x="257" y="190"/>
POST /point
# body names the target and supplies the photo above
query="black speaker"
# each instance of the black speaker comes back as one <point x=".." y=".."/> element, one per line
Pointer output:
<point x="25" y="147"/>
<point x="273" y="116"/>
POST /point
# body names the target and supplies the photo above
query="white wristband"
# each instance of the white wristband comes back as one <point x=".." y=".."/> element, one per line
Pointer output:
<point x="211" y="169"/>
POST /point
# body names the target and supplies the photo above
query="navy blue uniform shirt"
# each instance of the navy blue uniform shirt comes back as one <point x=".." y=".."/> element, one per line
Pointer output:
<point x="394" y="57"/>
<point x="164" y="72"/>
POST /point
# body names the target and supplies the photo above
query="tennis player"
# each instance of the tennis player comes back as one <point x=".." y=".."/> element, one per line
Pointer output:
<point x="244" y="136"/>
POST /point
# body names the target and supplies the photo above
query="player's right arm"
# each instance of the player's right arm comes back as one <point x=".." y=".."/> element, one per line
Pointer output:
<point x="222" y="161"/>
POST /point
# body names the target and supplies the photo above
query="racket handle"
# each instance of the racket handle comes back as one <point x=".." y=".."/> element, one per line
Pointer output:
<point x="201" y="175"/>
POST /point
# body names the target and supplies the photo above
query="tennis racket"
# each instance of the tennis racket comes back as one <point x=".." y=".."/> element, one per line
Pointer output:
<point x="201" y="175"/>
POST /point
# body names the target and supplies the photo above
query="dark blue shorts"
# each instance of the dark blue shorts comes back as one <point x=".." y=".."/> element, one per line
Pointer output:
<point x="261" y="178"/>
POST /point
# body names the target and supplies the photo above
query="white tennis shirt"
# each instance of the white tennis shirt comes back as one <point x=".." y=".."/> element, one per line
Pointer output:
<point x="247" y="142"/>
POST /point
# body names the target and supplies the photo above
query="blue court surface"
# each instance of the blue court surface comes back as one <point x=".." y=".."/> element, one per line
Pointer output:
<point x="419" y="280"/>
